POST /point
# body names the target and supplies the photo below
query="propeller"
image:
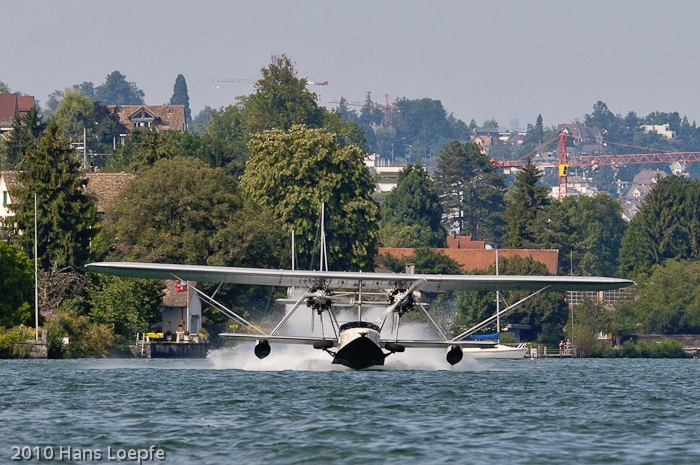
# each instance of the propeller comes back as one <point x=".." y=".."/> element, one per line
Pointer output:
<point x="398" y="301"/>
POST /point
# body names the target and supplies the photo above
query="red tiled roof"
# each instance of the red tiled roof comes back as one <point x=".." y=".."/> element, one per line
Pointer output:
<point x="8" y="108"/>
<point x="25" y="103"/>
<point x="480" y="259"/>
<point x="464" y="242"/>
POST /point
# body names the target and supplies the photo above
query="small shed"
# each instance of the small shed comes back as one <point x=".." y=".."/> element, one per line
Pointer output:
<point x="181" y="306"/>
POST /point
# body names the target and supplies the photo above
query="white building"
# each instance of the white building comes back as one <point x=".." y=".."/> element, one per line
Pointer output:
<point x="661" y="129"/>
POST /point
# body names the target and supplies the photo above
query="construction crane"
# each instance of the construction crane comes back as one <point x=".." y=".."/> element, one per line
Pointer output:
<point x="387" y="108"/>
<point x="564" y="163"/>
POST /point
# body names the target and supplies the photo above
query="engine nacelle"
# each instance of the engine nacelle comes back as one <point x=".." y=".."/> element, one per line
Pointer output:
<point x="454" y="355"/>
<point x="325" y="345"/>
<point x="394" y="347"/>
<point x="262" y="348"/>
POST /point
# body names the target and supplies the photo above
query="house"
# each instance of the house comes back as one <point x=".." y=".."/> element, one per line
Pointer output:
<point x="480" y="259"/>
<point x="7" y="185"/>
<point x="580" y="132"/>
<point x="576" y="187"/>
<point x="484" y="141"/>
<point x="12" y="105"/>
<point x="641" y="185"/>
<point x="181" y="305"/>
<point x="661" y="129"/>
<point x="161" y="117"/>
<point x="104" y="186"/>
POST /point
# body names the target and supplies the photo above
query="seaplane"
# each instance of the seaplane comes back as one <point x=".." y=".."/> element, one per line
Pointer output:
<point x="357" y="343"/>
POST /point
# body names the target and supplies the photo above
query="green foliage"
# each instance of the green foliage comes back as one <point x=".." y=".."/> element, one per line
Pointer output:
<point x="293" y="172"/>
<point x="4" y="89"/>
<point x="425" y="260"/>
<point x="228" y="134"/>
<point x="66" y="214"/>
<point x="546" y="313"/>
<point x="526" y="200"/>
<point x="180" y="96"/>
<point x="281" y="99"/>
<point x="73" y="114"/>
<point x="182" y="211"/>
<point x="24" y="135"/>
<point x="152" y="147"/>
<point x="666" y="227"/>
<point x="126" y="305"/>
<point x="201" y="121"/>
<point x="472" y="191"/>
<point x="666" y="302"/>
<point x="117" y="91"/>
<point x="411" y="212"/>
<point x="86" y="338"/>
<point x="669" y="348"/>
<point x="16" y="282"/>
<point x="77" y="113"/>
<point x="9" y="339"/>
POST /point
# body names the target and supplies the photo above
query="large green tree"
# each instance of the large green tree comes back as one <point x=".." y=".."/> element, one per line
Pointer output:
<point x="667" y="226"/>
<point x="66" y="214"/>
<point x="182" y="211"/>
<point x="294" y="172"/>
<point x="281" y="99"/>
<point x="666" y="301"/>
<point x="116" y="90"/>
<point x="126" y="305"/>
<point x="526" y="199"/>
<point x="16" y="282"/>
<point x="472" y="191"/>
<point x="411" y="212"/>
<point x="180" y="96"/>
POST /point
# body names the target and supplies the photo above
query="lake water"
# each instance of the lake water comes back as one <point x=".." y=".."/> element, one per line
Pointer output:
<point x="294" y="407"/>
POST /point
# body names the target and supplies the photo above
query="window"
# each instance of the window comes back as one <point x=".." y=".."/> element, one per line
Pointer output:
<point x="5" y="198"/>
<point x="166" y="123"/>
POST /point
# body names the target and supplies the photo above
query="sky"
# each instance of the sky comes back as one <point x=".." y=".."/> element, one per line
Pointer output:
<point x="508" y="60"/>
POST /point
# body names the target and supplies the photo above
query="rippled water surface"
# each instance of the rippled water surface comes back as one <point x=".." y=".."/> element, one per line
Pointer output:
<point x="231" y="408"/>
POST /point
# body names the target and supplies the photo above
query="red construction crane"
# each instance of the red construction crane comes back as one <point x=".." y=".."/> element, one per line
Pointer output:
<point x="564" y="163"/>
<point x="387" y="108"/>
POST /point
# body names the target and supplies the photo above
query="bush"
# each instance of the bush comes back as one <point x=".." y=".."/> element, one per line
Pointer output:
<point x="670" y="348"/>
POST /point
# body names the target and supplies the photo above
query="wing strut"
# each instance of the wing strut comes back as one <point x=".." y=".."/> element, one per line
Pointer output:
<point x="430" y="319"/>
<point x="228" y="312"/>
<point x="477" y="327"/>
<point x="288" y="315"/>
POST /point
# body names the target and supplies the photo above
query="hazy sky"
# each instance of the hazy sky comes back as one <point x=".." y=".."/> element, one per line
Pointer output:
<point x="482" y="59"/>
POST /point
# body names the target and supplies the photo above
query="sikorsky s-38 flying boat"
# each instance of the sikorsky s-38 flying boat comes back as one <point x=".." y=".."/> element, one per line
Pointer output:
<point x="358" y="343"/>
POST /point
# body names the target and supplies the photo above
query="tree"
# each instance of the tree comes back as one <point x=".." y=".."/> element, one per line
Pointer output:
<point x="126" y="305"/>
<point x="293" y="173"/>
<point x="472" y="190"/>
<point x="26" y="131"/>
<point x="4" y="89"/>
<point x="666" y="227"/>
<point x="182" y="211"/>
<point x="66" y="214"/>
<point x="16" y="282"/>
<point x="117" y="91"/>
<point x="546" y="313"/>
<point x="228" y="134"/>
<point x="664" y="302"/>
<point x="73" y="114"/>
<point x="281" y="99"/>
<point x="152" y="147"/>
<point x="202" y="120"/>
<point x="412" y="209"/>
<point x="180" y="96"/>
<point x="526" y="201"/>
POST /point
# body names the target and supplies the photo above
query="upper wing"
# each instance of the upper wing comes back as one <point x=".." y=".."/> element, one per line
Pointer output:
<point x="345" y="279"/>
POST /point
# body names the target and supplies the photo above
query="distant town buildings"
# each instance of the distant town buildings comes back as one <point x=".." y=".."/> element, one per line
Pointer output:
<point x="661" y="129"/>
<point x="161" y="117"/>
<point x="641" y="185"/>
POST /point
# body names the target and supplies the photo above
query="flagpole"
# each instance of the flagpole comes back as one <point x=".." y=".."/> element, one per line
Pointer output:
<point x="36" y="278"/>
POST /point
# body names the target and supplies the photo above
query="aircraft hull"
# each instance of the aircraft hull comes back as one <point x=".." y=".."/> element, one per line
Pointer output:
<point x="359" y="348"/>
